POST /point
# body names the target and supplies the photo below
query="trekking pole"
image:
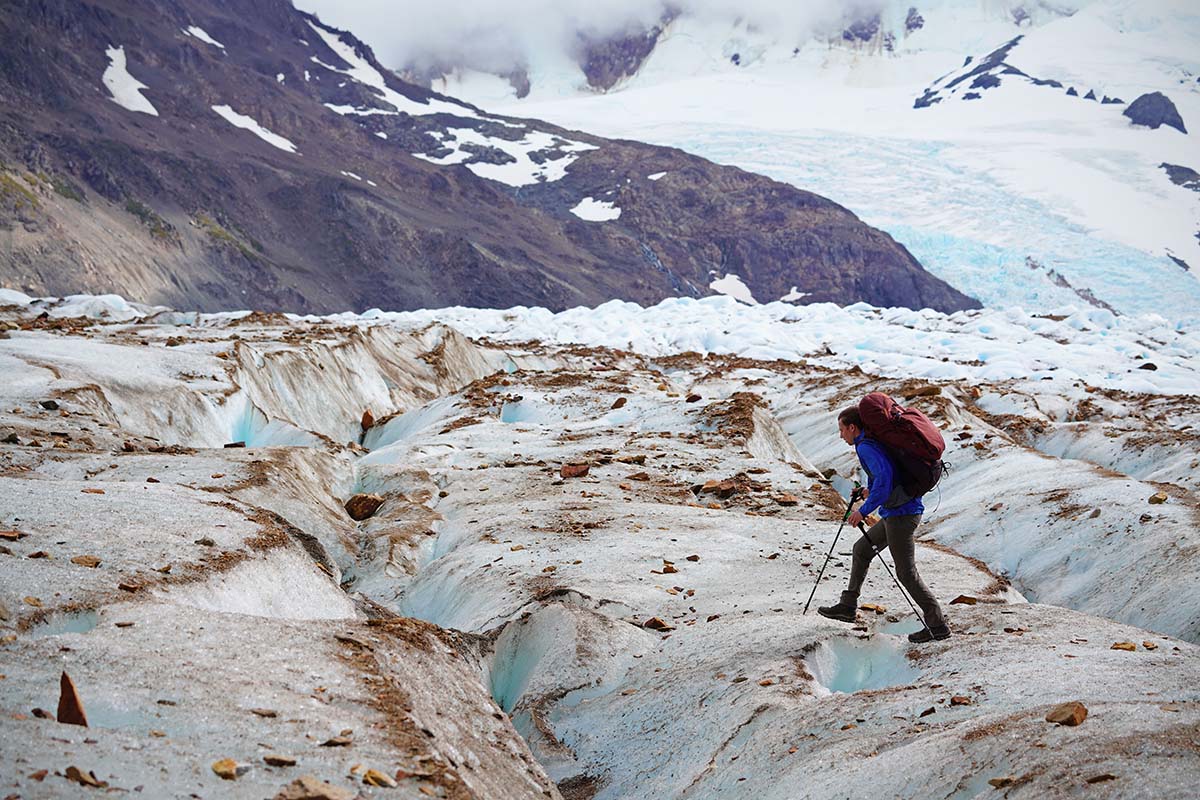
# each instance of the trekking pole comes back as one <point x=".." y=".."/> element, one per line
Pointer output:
<point x="849" y="507"/>
<point x="879" y="553"/>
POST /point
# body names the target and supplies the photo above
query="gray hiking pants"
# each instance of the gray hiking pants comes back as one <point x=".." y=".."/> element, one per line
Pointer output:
<point x="896" y="534"/>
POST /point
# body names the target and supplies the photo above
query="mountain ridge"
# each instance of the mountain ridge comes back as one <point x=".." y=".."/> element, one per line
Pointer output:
<point x="390" y="195"/>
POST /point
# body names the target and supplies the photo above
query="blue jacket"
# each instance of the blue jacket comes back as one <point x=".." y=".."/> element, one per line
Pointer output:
<point x="881" y="481"/>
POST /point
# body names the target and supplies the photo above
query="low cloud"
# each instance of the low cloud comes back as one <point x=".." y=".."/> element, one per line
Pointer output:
<point x="496" y="36"/>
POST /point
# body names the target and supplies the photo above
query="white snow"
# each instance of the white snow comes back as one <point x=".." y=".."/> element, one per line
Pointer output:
<point x="350" y="175"/>
<point x="306" y="76"/>
<point x="362" y="71"/>
<point x="280" y="77"/>
<point x="125" y="89"/>
<point x="105" y="306"/>
<point x="248" y="123"/>
<point x="656" y="176"/>
<point x="596" y="210"/>
<point x="381" y="134"/>
<point x="794" y="295"/>
<point x="522" y="170"/>
<point x="202" y="35"/>
<point x="1073" y="346"/>
<point x="732" y="285"/>
<point x="11" y="297"/>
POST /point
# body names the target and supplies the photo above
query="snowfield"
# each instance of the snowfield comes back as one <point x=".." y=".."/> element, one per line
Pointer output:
<point x="1019" y="194"/>
<point x="125" y="89"/>
<point x="585" y="550"/>
<point x="248" y="123"/>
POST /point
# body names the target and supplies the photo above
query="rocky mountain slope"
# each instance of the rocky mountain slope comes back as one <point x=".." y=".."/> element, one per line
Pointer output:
<point x="216" y="154"/>
<point x="272" y="552"/>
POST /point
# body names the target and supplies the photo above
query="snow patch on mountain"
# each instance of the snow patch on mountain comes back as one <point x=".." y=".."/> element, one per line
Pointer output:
<point x="248" y="123"/>
<point x="362" y="71"/>
<point x="125" y="89"/>
<point x="732" y="286"/>
<point x="199" y="33"/>
<point x="520" y="168"/>
<point x="593" y="210"/>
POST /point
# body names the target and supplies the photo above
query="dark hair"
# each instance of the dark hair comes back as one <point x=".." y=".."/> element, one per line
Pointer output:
<point x="850" y="416"/>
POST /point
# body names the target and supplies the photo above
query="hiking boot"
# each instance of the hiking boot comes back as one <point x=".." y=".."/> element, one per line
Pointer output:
<point x="938" y="632"/>
<point x="842" y="612"/>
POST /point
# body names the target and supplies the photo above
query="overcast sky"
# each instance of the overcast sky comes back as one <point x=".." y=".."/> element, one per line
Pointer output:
<point x="497" y="34"/>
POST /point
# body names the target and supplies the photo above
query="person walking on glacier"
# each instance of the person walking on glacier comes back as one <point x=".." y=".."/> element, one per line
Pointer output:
<point x="900" y="513"/>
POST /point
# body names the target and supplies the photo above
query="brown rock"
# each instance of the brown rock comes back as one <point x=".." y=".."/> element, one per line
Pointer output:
<point x="368" y="420"/>
<point x="619" y="402"/>
<point x="658" y="624"/>
<point x="92" y="491"/>
<point x="267" y="713"/>
<point x="1150" y="645"/>
<point x="638" y="476"/>
<point x="376" y="778"/>
<point x="84" y="778"/>
<point x="1000" y="783"/>
<point x="338" y="741"/>
<point x="12" y="536"/>
<point x="669" y="568"/>
<point x="276" y="760"/>
<point x="362" y="506"/>
<point x="1070" y="714"/>
<point x="787" y="499"/>
<point x="70" y="707"/>
<point x="878" y="609"/>
<point x="693" y="558"/>
<point x="1130" y="646"/>
<point x="964" y="600"/>
<point x="693" y="398"/>
<point x="126" y="586"/>
<point x="1101" y="778"/>
<point x="228" y="769"/>
<point x="639" y="459"/>
<point x="574" y="470"/>
<point x="928" y="711"/>
<point x="923" y="391"/>
<point x="309" y="787"/>
<point x="960" y="700"/>
<point x="1158" y="498"/>
<point x="86" y="561"/>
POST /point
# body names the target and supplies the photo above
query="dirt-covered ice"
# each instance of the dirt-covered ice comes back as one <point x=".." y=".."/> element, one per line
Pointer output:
<point x="585" y="576"/>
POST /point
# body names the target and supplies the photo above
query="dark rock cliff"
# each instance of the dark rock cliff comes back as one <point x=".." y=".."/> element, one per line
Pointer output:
<point x="186" y="209"/>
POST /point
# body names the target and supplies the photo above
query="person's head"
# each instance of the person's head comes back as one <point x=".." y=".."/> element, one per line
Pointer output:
<point x="849" y="425"/>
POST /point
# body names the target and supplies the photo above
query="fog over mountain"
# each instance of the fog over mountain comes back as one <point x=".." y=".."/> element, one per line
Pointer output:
<point x="497" y="36"/>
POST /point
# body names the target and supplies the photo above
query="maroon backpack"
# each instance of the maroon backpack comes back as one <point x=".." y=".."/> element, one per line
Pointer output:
<point x="910" y="438"/>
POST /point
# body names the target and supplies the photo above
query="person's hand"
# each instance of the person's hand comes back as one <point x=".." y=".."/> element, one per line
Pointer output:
<point x="855" y="519"/>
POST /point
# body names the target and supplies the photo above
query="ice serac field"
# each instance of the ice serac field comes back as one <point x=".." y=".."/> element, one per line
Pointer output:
<point x="596" y="534"/>
<point x="1013" y="185"/>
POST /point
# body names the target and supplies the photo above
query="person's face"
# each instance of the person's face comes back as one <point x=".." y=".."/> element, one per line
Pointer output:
<point x="848" y="432"/>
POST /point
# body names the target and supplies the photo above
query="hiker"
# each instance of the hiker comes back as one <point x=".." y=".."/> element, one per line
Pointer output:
<point x="899" y="514"/>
